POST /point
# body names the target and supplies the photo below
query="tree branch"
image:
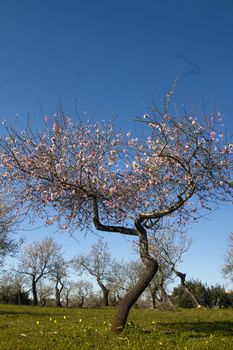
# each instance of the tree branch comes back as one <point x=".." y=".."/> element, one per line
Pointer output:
<point x="109" y="228"/>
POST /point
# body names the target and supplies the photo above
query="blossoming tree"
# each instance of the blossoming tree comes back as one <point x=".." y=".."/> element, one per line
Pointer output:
<point x="93" y="176"/>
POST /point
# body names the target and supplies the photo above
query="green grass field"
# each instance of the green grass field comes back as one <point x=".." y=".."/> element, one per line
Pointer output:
<point x="26" y="327"/>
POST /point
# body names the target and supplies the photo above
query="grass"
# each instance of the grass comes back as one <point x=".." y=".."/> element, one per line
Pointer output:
<point x="27" y="327"/>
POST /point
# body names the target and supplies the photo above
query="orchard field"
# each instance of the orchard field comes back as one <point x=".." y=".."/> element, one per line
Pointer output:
<point x="27" y="327"/>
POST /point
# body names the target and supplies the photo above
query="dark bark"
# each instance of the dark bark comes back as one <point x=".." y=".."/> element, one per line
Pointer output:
<point x="58" y="293"/>
<point x="151" y="267"/>
<point x="105" y="293"/>
<point x="132" y="296"/>
<point x="81" y="303"/>
<point x="34" y="291"/>
<point x="166" y="300"/>
<point x="153" y="291"/>
<point x="153" y="301"/>
<point x="192" y="297"/>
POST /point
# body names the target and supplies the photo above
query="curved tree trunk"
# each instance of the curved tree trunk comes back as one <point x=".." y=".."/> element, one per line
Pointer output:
<point x="151" y="267"/>
<point x="105" y="293"/>
<point x="131" y="297"/>
<point x="192" y="297"/>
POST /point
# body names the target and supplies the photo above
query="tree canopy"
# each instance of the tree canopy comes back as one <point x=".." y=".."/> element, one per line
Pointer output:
<point x="93" y="175"/>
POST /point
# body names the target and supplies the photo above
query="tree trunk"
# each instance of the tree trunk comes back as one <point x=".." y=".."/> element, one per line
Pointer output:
<point x="67" y="300"/>
<point x="151" y="267"/>
<point x="132" y="296"/>
<point x="34" y="292"/>
<point x="166" y="299"/>
<point x="192" y="297"/>
<point x="81" y="302"/>
<point x="153" y="301"/>
<point x="19" y="295"/>
<point x="153" y="291"/>
<point x="105" y="293"/>
<point x="58" y="295"/>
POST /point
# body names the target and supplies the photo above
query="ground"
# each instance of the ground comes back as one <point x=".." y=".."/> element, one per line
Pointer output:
<point x="27" y="327"/>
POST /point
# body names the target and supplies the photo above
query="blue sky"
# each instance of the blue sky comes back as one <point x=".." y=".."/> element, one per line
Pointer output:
<point x="114" y="58"/>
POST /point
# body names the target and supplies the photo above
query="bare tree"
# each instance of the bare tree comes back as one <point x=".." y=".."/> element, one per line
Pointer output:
<point x="8" y="219"/>
<point x="157" y="288"/>
<point x="12" y="289"/>
<point x="124" y="275"/>
<point x="44" y="291"/>
<point x="168" y="246"/>
<point x="228" y="266"/>
<point x="37" y="260"/>
<point x="58" y="275"/>
<point x="97" y="263"/>
<point x="92" y="175"/>
<point x="82" y="289"/>
<point x="69" y="287"/>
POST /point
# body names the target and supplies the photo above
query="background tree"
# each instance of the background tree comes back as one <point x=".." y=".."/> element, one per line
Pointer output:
<point x="69" y="286"/>
<point x="213" y="296"/>
<point x="117" y="284"/>
<point x="45" y="291"/>
<point x="82" y="289"/>
<point x="98" y="263"/>
<point x="92" y="175"/>
<point x="12" y="289"/>
<point x="58" y="275"/>
<point x="228" y="267"/>
<point x="168" y="246"/>
<point x="125" y="275"/>
<point x="218" y="298"/>
<point x="198" y="290"/>
<point x="157" y="288"/>
<point x="8" y="245"/>
<point x="37" y="260"/>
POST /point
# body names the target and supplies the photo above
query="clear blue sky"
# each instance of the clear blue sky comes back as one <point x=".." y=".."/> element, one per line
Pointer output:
<point x="115" y="57"/>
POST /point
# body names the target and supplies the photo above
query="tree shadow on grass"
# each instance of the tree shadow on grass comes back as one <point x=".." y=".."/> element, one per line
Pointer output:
<point x="202" y="329"/>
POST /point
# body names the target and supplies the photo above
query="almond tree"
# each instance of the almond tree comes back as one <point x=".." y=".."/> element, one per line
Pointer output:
<point x="82" y="289"/>
<point x="94" y="177"/>
<point x="168" y="246"/>
<point x="58" y="274"/>
<point x="67" y="291"/>
<point x="7" y="222"/>
<point x="38" y="260"/>
<point x="157" y="288"/>
<point x="12" y="289"/>
<point x="44" y="291"/>
<point x="97" y="263"/>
